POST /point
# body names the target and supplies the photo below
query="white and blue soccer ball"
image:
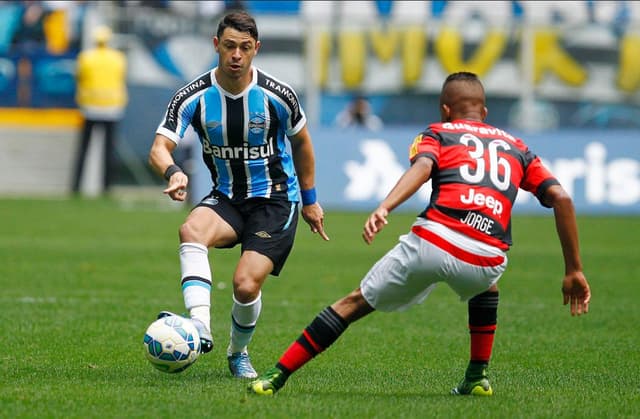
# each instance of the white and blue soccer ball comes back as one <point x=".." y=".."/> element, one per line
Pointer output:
<point x="172" y="344"/>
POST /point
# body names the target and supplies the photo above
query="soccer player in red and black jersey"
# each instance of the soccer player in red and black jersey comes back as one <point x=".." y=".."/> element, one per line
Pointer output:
<point x="461" y="238"/>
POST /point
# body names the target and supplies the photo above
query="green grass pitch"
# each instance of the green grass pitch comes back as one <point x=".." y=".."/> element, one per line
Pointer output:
<point x="81" y="280"/>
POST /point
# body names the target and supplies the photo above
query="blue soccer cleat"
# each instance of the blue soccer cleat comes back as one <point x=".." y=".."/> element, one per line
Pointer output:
<point x="240" y="365"/>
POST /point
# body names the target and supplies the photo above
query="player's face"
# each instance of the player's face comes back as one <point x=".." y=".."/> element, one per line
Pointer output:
<point x="236" y="51"/>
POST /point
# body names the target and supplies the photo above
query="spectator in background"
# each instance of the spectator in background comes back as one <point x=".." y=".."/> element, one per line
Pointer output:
<point x="359" y="114"/>
<point x="102" y="97"/>
<point x="29" y="35"/>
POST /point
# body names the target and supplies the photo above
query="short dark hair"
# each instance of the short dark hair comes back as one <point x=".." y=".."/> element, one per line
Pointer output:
<point x="462" y="76"/>
<point x="240" y="21"/>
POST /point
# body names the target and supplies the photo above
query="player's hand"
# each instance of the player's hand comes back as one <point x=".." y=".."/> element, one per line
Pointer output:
<point x="576" y="292"/>
<point x="177" y="188"/>
<point x="374" y="224"/>
<point x="314" y="216"/>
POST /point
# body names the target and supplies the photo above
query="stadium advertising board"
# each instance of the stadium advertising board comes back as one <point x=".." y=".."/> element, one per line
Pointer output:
<point x="570" y="41"/>
<point x="356" y="169"/>
<point x="385" y="46"/>
<point x="577" y="59"/>
<point x="40" y="81"/>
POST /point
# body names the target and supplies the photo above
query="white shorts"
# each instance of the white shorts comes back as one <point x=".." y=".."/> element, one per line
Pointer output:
<point x="411" y="270"/>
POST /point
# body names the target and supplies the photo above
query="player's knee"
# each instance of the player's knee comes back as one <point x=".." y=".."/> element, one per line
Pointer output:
<point x="245" y="289"/>
<point x="191" y="232"/>
<point x="187" y="233"/>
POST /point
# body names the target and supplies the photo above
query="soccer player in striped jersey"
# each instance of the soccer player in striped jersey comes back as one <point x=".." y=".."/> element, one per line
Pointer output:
<point x="461" y="238"/>
<point x="243" y="117"/>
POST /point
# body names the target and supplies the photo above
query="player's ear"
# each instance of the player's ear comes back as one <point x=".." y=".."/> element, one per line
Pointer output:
<point x="258" y="44"/>
<point x="485" y="112"/>
<point x="216" y="42"/>
<point x="445" y="113"/>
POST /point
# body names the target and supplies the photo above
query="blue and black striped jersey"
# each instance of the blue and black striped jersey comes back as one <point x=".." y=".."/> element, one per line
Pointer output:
<point x="242" y="136"/>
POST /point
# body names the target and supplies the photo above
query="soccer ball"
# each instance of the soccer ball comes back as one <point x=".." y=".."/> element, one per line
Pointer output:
<point x="172" y="344"/>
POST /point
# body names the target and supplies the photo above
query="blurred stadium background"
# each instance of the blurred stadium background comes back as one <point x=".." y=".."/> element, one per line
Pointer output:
<point x="563" y="75"/>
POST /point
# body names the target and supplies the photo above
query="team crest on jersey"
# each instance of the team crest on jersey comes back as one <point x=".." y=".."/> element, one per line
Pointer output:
<point x="413" y="150"/>
<point x="213" y="124"/>
<point x="257" y="123"/>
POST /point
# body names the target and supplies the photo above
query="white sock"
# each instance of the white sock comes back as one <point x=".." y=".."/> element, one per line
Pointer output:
<point x="243" y="323"/>
<point x="203" y="314"/>
<point x="196" y="281"/>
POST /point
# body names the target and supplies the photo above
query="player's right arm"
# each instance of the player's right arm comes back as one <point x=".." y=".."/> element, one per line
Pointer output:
<point x="407" y="185"/>
<point x="160" y="159"/>
<point x="575" y="288"/>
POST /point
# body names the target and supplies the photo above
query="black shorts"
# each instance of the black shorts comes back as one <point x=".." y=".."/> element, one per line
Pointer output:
<point x="267" y="226"/>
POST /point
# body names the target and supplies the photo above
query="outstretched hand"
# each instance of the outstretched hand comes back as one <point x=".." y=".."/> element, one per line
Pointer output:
<point x="177" y="188"/>
<point x="374" y="224"/>
<point x="576" y="292"/>
<point x="314" y="216"/>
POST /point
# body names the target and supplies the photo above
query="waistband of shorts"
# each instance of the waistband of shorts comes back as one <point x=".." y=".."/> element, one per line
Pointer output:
<point x="473" y="259"/>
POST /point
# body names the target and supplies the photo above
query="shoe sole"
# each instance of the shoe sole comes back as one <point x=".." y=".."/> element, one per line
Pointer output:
<point x="476" y="391"/>
<point x="481" y="391"/>
<point x="245" y="377"/>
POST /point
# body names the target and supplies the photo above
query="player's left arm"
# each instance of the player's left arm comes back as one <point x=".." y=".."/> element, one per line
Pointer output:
<point x="575" y="288"/>
<point x="304" y="161"/>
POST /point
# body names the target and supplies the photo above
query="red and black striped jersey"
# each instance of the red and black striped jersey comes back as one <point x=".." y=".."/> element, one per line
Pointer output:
<point x="476" y="176"/>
